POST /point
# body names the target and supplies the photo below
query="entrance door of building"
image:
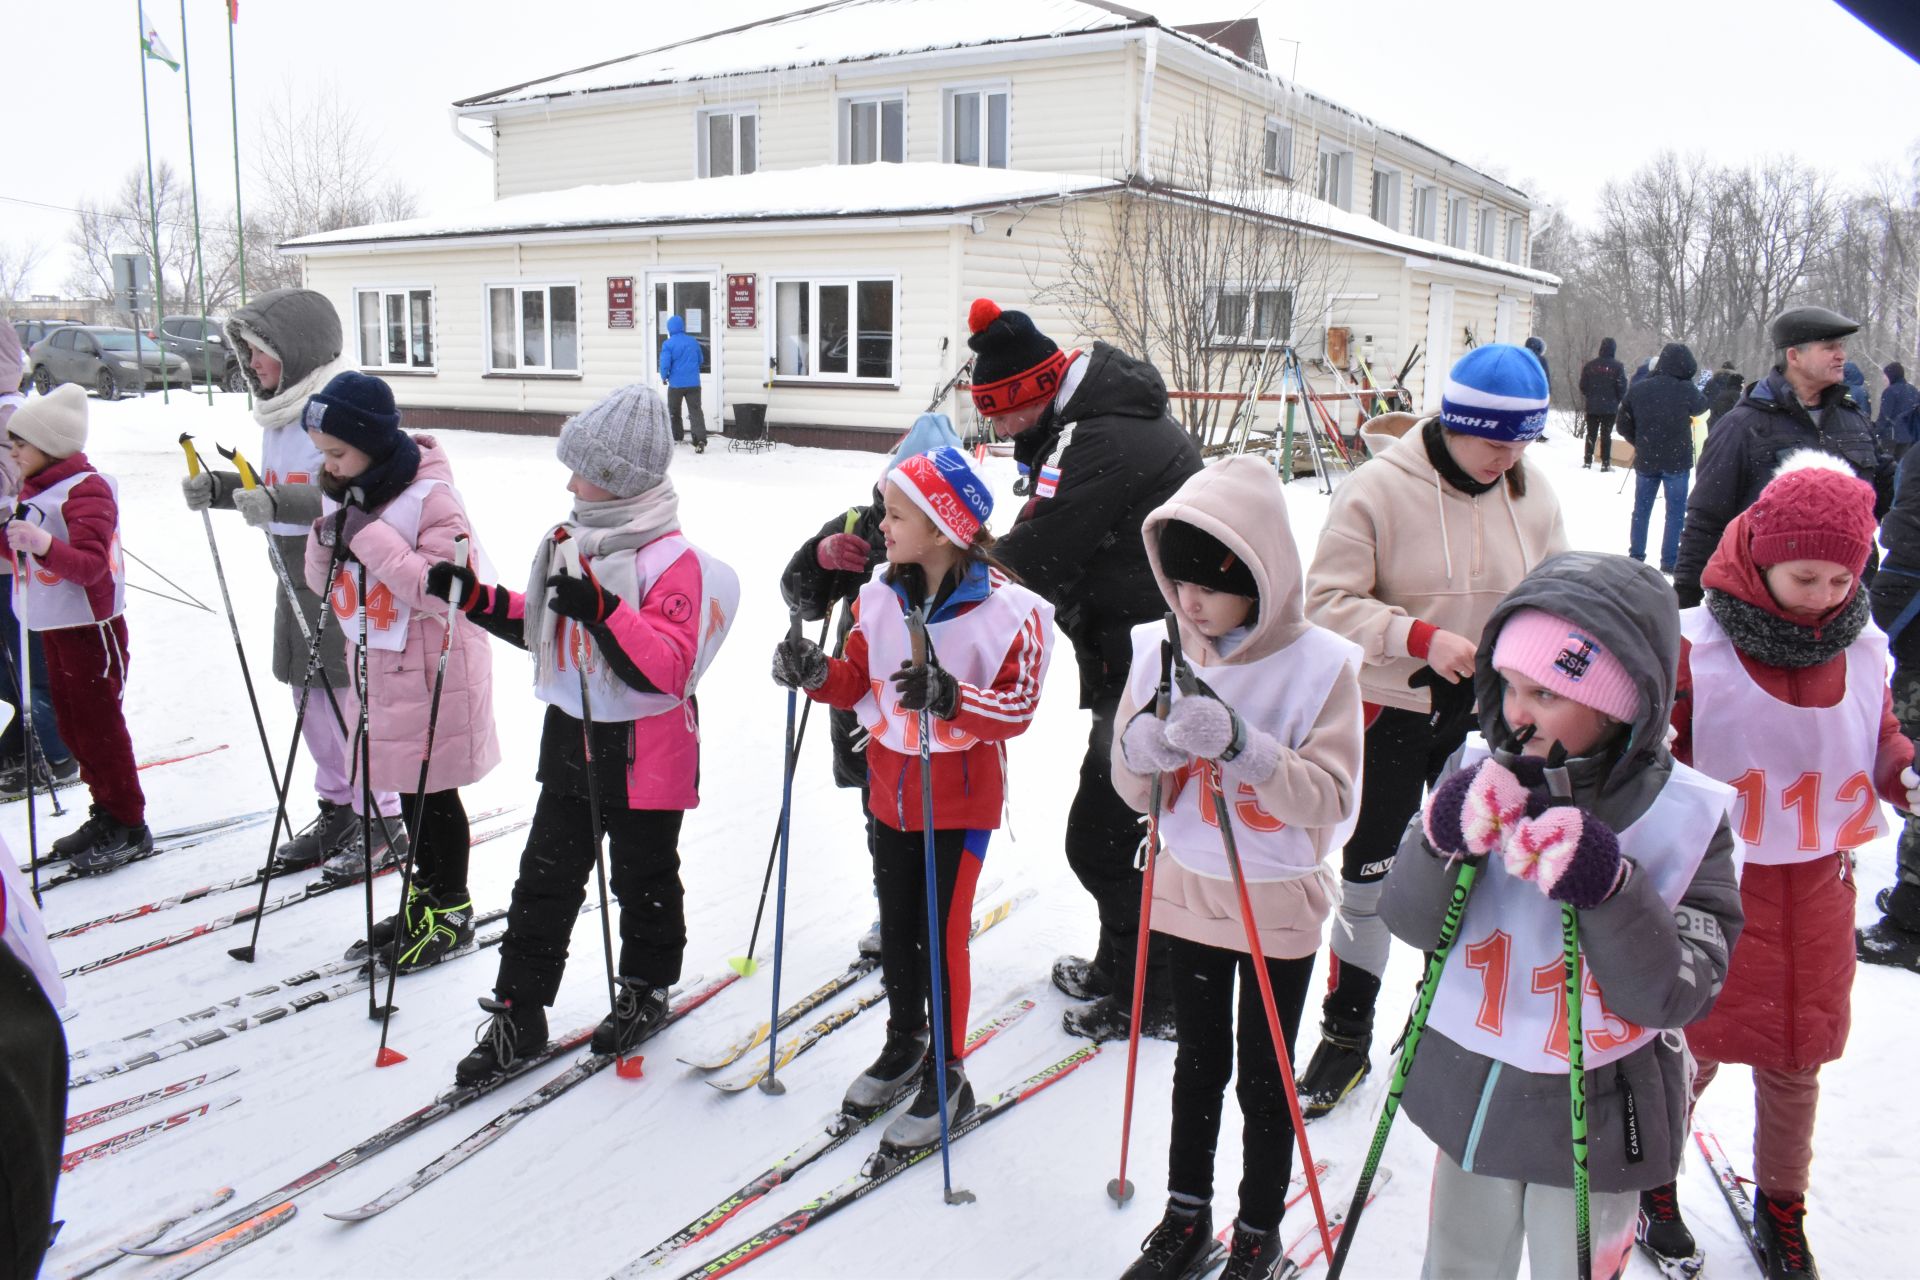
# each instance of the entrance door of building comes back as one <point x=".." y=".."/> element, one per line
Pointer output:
<point x="692" y="298"/>
<point x="1439" y="356"/>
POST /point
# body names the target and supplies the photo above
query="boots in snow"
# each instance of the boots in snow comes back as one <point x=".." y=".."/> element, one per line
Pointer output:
<point x="1081" y="979"/>
<point x="1176" y="1248"/>
<point x="1111" y="1018"/>
<point x="1781" y="1226"/>
<point x="1894" y="939"/>
<point x="919" y="1125"/>
<point x="348" y="865"/>
<point x="1663" y="1235"/>
<point x="1255" y="1255"/>
<point x="513" y="1033"/>
<point x="46" y="776"/>
<point x="434" y="925"/>
<point x="334" y="828"/>
<point x="899" y="1062"/>
<point x="637" y="1009"/>
<point x="1340" y="1061"/>
<point x="103" y="843"/>
<point x="869" y="944"/>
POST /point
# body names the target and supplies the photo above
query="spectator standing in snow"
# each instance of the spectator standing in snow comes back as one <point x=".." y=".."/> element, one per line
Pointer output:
<point x="1894" y="939"/>
<point x="681" y="358"/>
<point x="1800" y="404"/>
<point x="33" y="1076"/>
<point x="1722" y="391"/>
<point x="1603" y="382"/>
<point x="1092" y="427"/>
<point x="1857" y="388"/>
<point x="1656" y="418"/>
<point x="1538" y="345"/>
<point x="1899" y="421"/>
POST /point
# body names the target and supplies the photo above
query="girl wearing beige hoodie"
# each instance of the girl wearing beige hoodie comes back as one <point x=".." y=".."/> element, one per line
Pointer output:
<point x="1277" y="728"/>
<point x="1418" y="548"/>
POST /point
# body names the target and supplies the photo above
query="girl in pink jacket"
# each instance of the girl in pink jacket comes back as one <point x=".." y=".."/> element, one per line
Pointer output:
<point x="390" y="498"/>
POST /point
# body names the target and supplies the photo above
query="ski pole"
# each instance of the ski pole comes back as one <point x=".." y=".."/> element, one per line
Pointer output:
<point x="364" y="756"/>
<point x="1210" y="784"/>
<point x="386" y="1057"/>
<point x="1560" y="787"/>
<point x="770" y="1083"/>
<point x="1120" y="1189"/>
<point x="922" y="655"/>
<point x="22" y="566"/>
<point x="626" y="1068"/>
<point x="194" y="468"/>
<point x="31" y="749"/>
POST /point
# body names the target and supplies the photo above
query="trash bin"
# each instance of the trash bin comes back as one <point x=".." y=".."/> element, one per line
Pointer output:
<point x="749" y="421"/>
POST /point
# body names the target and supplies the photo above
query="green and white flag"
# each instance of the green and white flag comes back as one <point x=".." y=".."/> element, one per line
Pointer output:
<point x="152" y="45"/>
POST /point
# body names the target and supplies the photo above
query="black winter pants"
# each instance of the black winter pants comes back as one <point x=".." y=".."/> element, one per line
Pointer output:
<point x="1203" y="1013"/>
<point x="437" y="829"/>
<point x="690" y="397"/>
<point x="900" y="877"/>
<point x="1600" y="427"/>
<point x="1404" y="756"/>
<point x="1103" y="834"/>
<point x="644" y="857"/>
<point x="33" y="1116"/>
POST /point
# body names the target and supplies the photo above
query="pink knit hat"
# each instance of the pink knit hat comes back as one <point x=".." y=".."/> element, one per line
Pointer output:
<point x="1814" y="508"/>
<point x="1568" y="660"/>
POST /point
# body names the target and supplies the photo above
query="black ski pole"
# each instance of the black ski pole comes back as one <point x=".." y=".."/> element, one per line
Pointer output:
<point x="364" y="757"/>
<point x="31" y="750"/>
<point x="23" y="565"/>
<point x="770" y="1082"/>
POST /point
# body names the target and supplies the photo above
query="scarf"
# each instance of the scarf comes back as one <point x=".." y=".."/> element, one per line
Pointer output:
<point x="382" y="481"/>
<point x="288" y="401"/>
<point x="1772" y="640"/>
<point x="598" y="529"/>
<point x="1433" y="435"/>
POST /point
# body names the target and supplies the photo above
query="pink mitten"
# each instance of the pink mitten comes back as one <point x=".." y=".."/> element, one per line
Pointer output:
<point x="1471" y="812"/>
<point x="1145" y="746"/>
<point x="1570" y="855"/>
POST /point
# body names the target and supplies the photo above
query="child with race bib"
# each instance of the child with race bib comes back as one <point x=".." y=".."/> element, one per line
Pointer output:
<point x="1278" y="728"/>
<point x="390" y="512"/>
<point x="1567" y="797"/>
<point x="989" y="640"/>
<point x="1783" y="694"/>
<point x="619" y="594"/>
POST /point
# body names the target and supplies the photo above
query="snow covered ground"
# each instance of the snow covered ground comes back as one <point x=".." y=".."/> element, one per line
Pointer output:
<point x="601" y="1175"/>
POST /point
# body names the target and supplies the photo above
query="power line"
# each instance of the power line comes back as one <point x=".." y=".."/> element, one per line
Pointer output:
<point x="96" y="213"/>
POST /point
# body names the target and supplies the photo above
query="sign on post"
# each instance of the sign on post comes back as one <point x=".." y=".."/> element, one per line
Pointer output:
<point x="132" y="282"/>
<point x="743" y="305"/>
<point x="619" y="302"/>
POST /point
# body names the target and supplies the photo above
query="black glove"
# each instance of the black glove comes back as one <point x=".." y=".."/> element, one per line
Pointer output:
<point x="927" y="688"/>
<point x="442" y="577"/>
<point x="1452" y="702"/>
<point x="799" y="663"/>
<point x="1689" y="594"/>
<point x="582" y="598"/>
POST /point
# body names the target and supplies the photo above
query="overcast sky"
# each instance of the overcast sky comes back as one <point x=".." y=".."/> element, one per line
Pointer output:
<point x="1558" y="97"/>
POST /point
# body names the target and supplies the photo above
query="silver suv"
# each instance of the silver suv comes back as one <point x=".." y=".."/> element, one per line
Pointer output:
<point x="109" y="360"/>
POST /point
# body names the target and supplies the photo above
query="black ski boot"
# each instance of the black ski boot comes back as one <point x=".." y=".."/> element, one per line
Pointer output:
<point x="512" y="1034"/>
<point x="46" y="776"/>
<point x="334" y="828"/>
<point x="347" y="864"/>
<point x="1894" y="939"/>
<point x="1340" y="1061"/>
<point x="1111" y="1018"/>
<point x="1176" y="1248"/>
<point x="875" y="1089"/>
<point x="1781" y="1226"/>
<point x="637" y="1009"/>
<point x="1663" y="1235"/>
<point x="102" y="843"/>
<point x="435" y="925"/>
<point x="1254" y="1255"/>
<point x="1081" y="979"/>
<point x="919" y="1125"/>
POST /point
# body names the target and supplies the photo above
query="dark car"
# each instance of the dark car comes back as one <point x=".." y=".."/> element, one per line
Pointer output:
<point x="109" y="360"/>
<point x="203" y="345"/>
<point x="29" y="333"/>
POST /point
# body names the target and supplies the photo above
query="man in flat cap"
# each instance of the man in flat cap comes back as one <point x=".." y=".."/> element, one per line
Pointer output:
<point x="1801" y="404"/>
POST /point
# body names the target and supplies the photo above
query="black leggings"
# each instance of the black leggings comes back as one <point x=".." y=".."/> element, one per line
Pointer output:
<point x="1403" y="756"/>
<point x="1600" y="427"/>
<point x="1203" y="1015"/>
<point x="900" y="877"/>
<point x="644" y="856"/>
<point x="1102" y="837"/>
<point x="441" y="841"/>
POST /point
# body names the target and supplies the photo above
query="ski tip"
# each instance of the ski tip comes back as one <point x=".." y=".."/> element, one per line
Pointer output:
<point x="629" y="1068"/>
<point x="1120" y="1190"/>
<point x="387" y="1058"/>
<point x="743" y="965"/>
<point x="243" y="954"/>
<point x="348" y="1215"/>
<point x="771" y="1086"/>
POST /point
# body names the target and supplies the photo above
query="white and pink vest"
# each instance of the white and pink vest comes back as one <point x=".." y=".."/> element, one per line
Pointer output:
<point x="387" y="614"/>
<point x="51" y="601"/>
<point x="288" y="456"/>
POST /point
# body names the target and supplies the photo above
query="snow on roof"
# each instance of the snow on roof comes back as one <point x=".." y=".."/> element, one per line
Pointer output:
<point x="838" y="32"/>
<point x="821" y="191"/>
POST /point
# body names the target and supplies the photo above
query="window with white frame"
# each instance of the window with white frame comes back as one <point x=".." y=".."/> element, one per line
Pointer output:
<point x="1517" y="240"/>
<point x="873" y="129"/>
<point x="1248" y="315"/>
<point x="395" y="328"/>
<point x="1457" y="218"/>
<point x="1426" y="212"/>
<point x="1386" y="197"/>
<point x="1336" y="178"/>
<point x="1276" y="150"/>
<point x="533" y="328"/>
<point x="976" y="131"/>
<point x="729" y="142"/>
<point x="1489" y="231"/>
<point x="835" y="329"/>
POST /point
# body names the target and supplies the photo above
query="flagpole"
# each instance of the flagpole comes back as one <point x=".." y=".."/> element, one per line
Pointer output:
<point x="239" y="219"/>
<point x="153" y="208"/>
<point x="193" y="182"/>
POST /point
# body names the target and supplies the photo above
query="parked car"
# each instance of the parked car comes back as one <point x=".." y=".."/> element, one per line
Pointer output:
<point x="107" y="359"/>
<point x="30" y="332"/>
<point x="203" y="345"/>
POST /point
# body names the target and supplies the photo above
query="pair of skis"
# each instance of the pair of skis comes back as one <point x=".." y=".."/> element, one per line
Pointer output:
<point x="1733" y="1189"/>
<point x="163" y="842"/>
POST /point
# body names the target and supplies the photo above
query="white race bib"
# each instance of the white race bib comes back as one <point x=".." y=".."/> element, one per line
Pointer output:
<point x="52" y="602"/>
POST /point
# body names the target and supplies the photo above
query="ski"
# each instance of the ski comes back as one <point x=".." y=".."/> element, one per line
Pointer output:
<point x="114" y="1110"/>
<point x="238" y="1236"/>
<point x="838" y="1132"/>
<point x="169" y="754"/>
<point x="880" y="1171"/>
<point x="134" y="1137"/>
<point x="1216" y="1254"/>
<point x="1306" y="1248"/>
<point x="485" y="1136"/>
<point x="1733" y="1189"/>
<point x="799" y="1044"/>
<point x="107" y="1255"/>
<point x="178" y="838"/>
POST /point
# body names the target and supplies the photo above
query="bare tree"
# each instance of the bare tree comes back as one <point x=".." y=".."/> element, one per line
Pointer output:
<point x="17" y="265"/>
<point x="125" y="224"/>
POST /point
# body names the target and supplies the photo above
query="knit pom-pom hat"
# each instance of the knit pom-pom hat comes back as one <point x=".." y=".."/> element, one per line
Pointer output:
<point x="1814" y="508"/>
<point x="1014" y="364"/>
<point x="1567" y="659"/>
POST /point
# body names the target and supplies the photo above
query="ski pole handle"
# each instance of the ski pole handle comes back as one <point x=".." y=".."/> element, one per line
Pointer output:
<point x="249" y="479"/>
<point x="1163" y="692"/>
<point x="460" y="557"/>
<point x="793" y="626"/>
<point x="194" y="465"/>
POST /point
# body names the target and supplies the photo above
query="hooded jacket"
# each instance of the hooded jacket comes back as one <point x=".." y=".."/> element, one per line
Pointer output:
<point x="1896" y="588"/>
<point x="1723" y="391"/>
<point x="679" y="356"/>
<point x="1603" y="380"/>
<point x="1899" y="420"/>
<point x="1856" y="380"/>
<point x="1658" y="967"/>
<point x="1404" y="552"/>
<point x="1315" y="787"/>
<point x="1656" y="417"/>
<point x="1099" y="464"/>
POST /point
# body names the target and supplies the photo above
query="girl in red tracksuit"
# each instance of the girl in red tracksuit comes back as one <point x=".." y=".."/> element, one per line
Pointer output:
<point x="1783" y="693"/>
<point x="989" y="641"/>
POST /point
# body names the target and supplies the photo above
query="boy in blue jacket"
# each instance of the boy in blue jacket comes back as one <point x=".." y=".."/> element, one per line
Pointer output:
<point x="680" y="360"/>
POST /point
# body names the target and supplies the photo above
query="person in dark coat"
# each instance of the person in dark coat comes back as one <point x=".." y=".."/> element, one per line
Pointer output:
<point x="1603" y="381"/>
<point x="1538" y="345"/>
<point x="1894" y="939"/>
<point x="1093" y="430"/>
<point x="1856" y="382"/>
<point x="681" y="361"/>
<point x="1800" y="404"/>
<point x="1644" y="371"/>
<point x="1656" y="418"/>
<point x="1723" y="391"/>
<point x="1899" y="420"/>
<point x="33" y="1076"/>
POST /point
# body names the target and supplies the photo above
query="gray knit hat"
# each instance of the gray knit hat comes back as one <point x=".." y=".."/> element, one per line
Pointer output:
<point x="621" y="443"/>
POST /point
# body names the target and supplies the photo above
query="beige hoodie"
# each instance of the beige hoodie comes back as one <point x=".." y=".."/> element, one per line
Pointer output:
<point x="1401" y="544"/>
<point x="1315" y="786"/>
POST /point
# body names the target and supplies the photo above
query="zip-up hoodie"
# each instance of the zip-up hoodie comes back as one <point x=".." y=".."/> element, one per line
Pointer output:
<point x="1659" y="967"/>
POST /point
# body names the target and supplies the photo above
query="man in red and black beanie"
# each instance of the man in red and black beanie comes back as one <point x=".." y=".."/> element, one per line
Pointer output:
<point x="1092" y="429"/>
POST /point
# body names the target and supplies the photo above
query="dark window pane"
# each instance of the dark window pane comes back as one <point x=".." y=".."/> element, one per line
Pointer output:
<point x="966" y="128"/>
<point x="533" y="328"/>
<point x="863" y="118"/>
<point x="833" y="328"/>
<point x="421" y="306"/>
<point x="396" y="328"/>
<point x="875" y="349"/>
<point x="792" y="327"/>
<point x="749" y="143"/>
<point x="1230" y="315"/>
<point x="893" y="142"/>
<point x="997" y="131"/>
<point x="1273" y="316"/>
<point x="719" y="145"/>
<point x="566" y="330"/>
<point x="369" y="328"/>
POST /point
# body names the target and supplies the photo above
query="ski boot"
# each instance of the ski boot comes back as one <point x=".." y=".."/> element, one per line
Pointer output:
<point x="1180" y="1246"/>
<point x="1781" y="1227"/>
<point x="637" y="1009"/>
<point x="512" y="1034"/>
<point x="103" y="843"/>
<point x="1111" y="1018"/>
<point x="919" y="1125"/>
<point x="1081" y="979"/>
<point x="347" y="864"/>
<point x="1663" y="1236"/>
<point x="46" y="776"/>
<point x="333" y="828"/>
<point x="1254" y="1255"/>
<point x="434" y="926"/>
<point x="1894" y="939"/>
<point x="1340" y="1061"/>
<point x="869" y="944"/>
<point x="880" y="1085"/>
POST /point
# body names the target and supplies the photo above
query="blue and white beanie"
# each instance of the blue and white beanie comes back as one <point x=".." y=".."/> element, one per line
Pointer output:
<point x="941" y="483"/>
<point x="1498" y="391"/>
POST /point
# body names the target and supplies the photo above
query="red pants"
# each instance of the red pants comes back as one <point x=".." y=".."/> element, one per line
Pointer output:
<point x="87" y="668"/>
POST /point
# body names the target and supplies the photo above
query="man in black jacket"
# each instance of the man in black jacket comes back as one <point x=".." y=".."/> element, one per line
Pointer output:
<point x="1093" y="430"/>
<point x="1722" y="391"/>
<point x="1801" y="404"/>
<point x="1603" y="381"/>
<point x="1656" y="418"/>
<point x="1894" y="939"/>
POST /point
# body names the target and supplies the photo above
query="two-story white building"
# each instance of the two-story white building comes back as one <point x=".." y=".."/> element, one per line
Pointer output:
<point x="819" y="197"/>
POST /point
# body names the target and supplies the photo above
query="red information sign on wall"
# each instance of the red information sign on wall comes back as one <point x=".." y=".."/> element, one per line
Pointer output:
<point x="743" y="306"/>
<point x="619" y="302"/>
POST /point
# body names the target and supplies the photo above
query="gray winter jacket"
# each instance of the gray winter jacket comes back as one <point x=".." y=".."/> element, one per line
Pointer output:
<point x="1659" y="967"/>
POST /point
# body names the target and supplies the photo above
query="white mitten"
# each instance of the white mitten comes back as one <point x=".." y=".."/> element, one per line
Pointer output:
<point x="1910" y="783"/>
